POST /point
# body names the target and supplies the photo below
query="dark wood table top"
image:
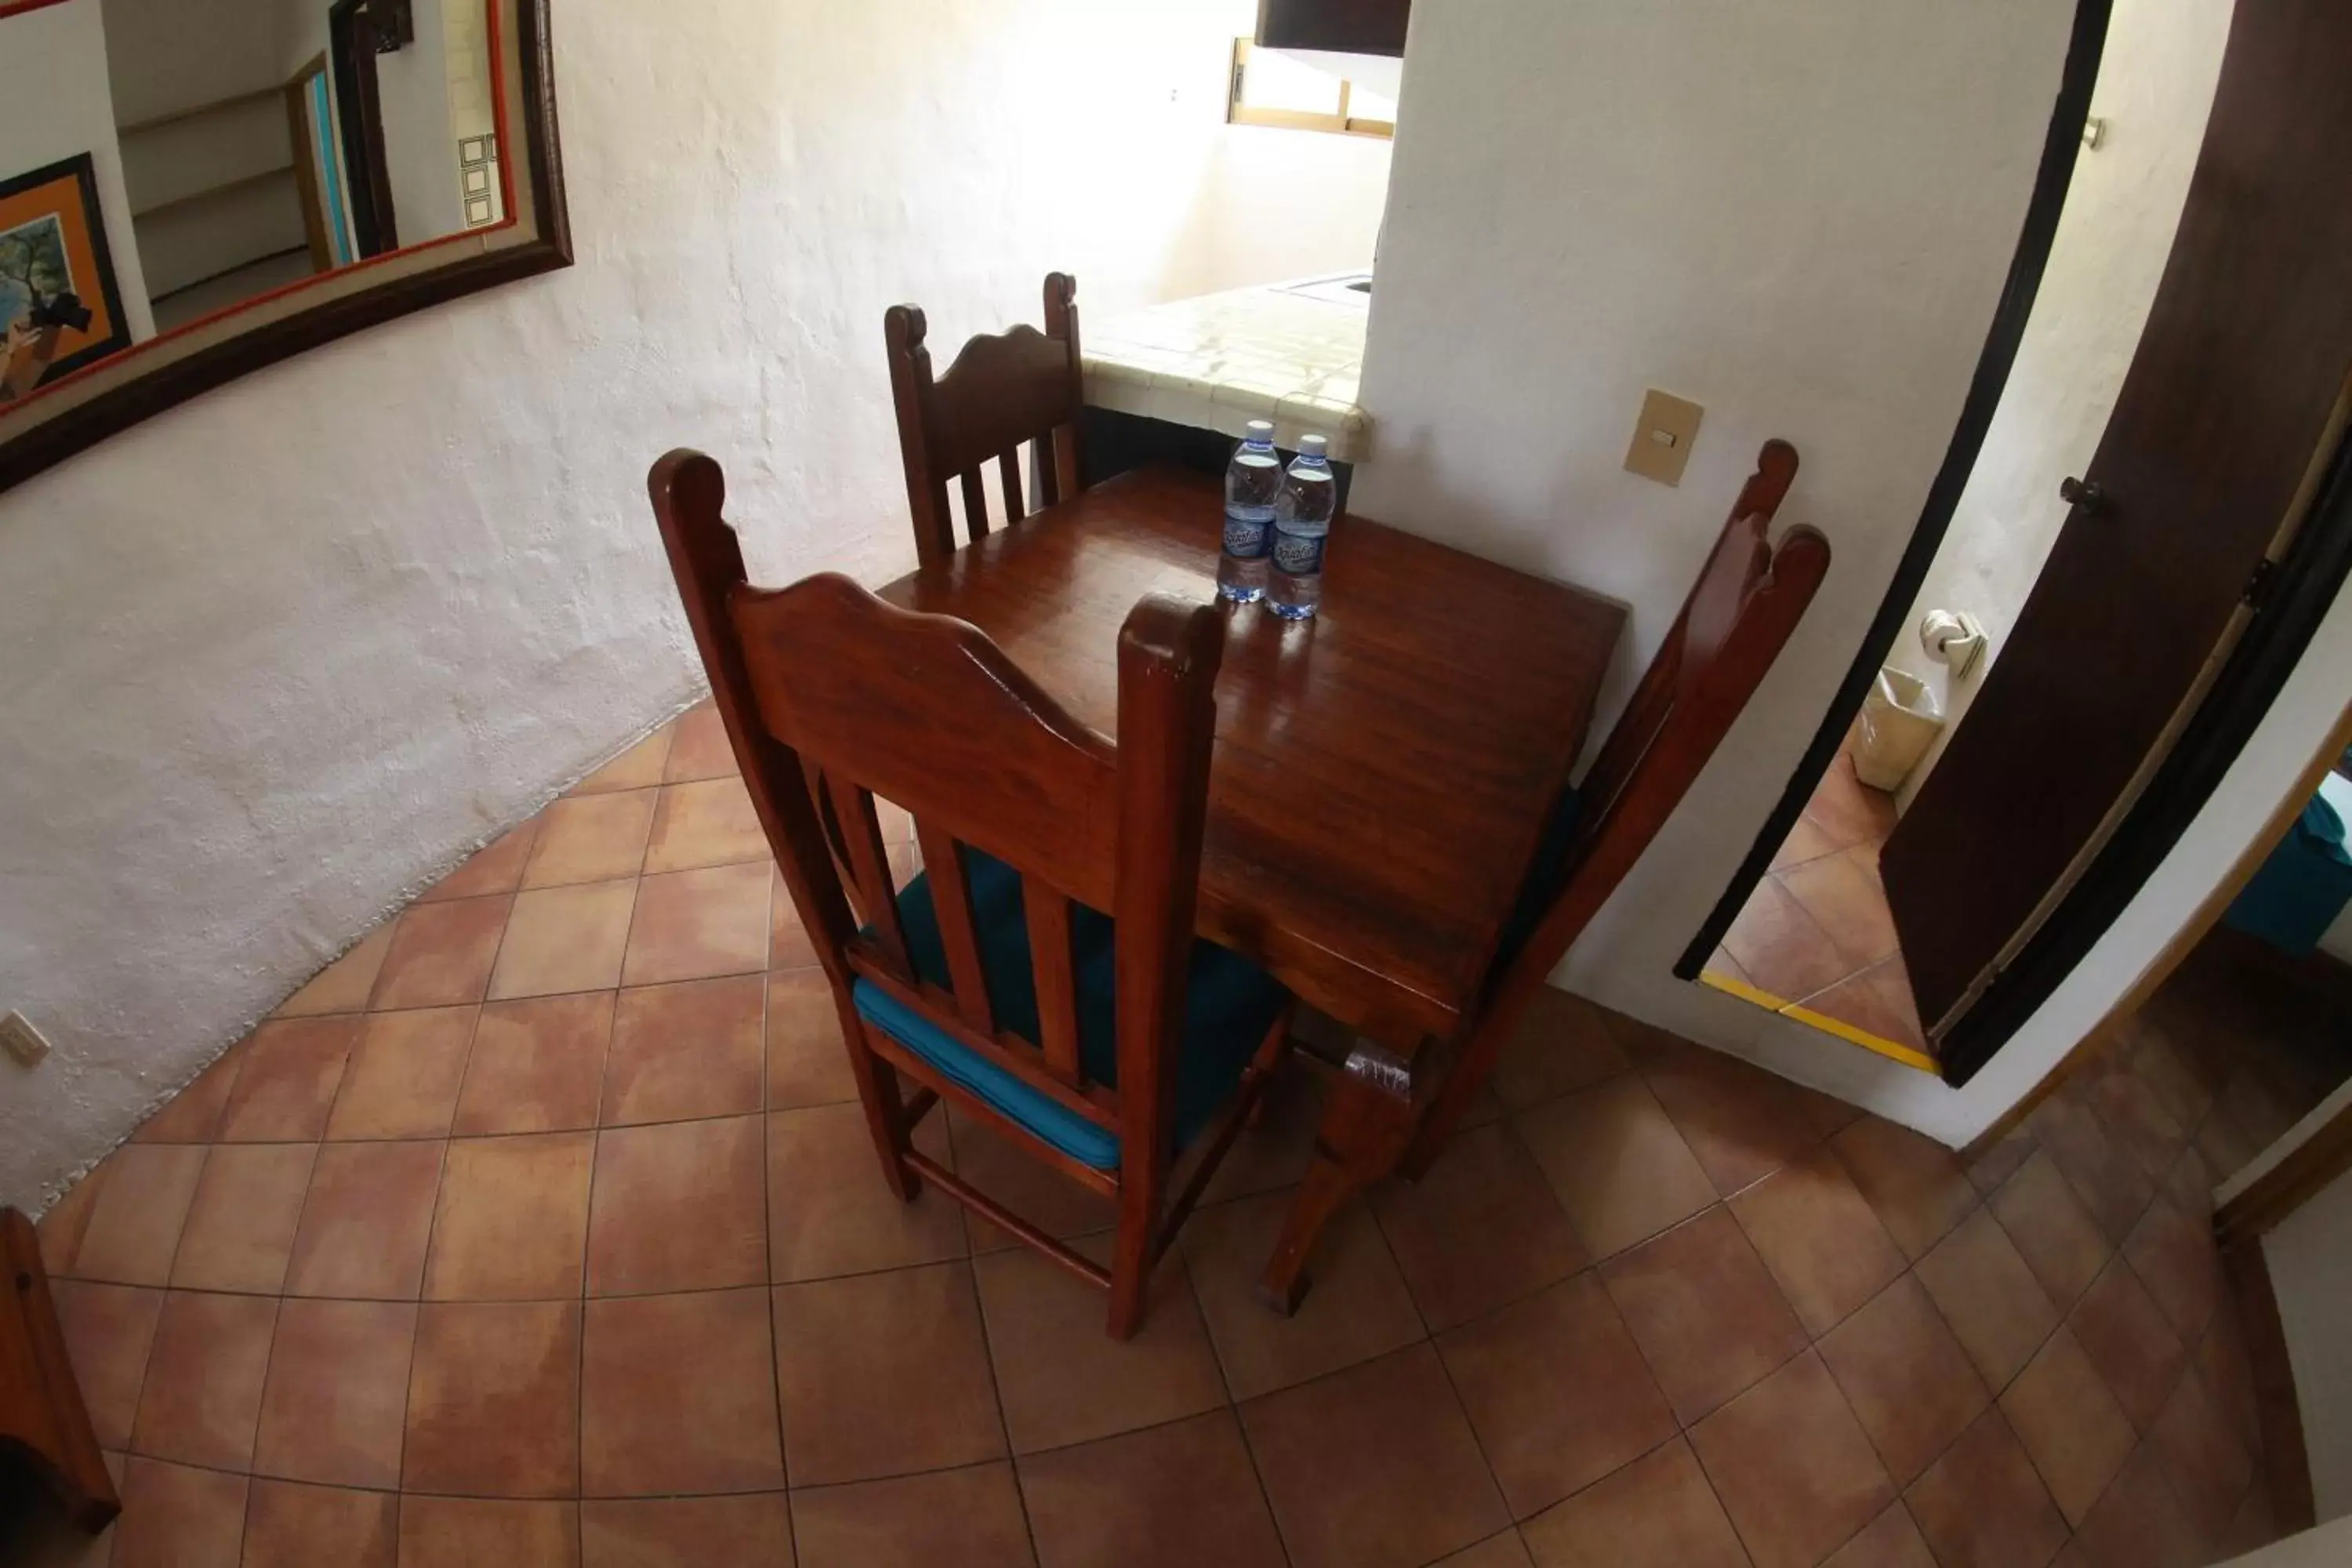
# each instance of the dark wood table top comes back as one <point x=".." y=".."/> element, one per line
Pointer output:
<point x="1381" y="772"/>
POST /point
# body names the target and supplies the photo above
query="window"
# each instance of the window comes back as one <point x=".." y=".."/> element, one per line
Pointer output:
<point x="1270" y="87"/>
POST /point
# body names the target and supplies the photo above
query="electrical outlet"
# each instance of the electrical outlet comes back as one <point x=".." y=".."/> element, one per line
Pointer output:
<point x="24" y="1041"/>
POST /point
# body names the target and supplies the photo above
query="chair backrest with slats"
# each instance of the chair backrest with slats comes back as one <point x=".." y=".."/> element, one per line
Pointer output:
<point x="1003" y="391"/>
<point x="833" y="698"/>
<point x="1740" y="612"/>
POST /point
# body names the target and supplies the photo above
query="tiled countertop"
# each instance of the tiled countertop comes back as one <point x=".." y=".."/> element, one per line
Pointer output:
<point x="1288" y="352"/>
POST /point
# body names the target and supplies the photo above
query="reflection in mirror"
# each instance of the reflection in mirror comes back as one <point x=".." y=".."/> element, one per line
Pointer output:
<point x="261" y="143"/>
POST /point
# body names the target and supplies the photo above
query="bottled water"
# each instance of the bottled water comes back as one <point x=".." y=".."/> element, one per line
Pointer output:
<point x="1302" y="520"/>
<point x="1252" y="480"/>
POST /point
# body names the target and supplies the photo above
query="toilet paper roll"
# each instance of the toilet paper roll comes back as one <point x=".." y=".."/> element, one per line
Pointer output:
<point x="1952" y="637"/>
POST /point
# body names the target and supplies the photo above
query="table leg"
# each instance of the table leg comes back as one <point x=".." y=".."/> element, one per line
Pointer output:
<point x="1366" y="1126"/>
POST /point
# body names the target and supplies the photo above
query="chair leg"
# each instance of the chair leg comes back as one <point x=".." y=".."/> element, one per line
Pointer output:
<point x="42" y="1418"/>
<point x="1364" y="1130"/>
<point x="885" y="1118"/>
<point x="1132" y="1254"/>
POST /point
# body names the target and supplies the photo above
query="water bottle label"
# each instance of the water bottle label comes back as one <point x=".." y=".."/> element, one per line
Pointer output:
<point x="1300" y="554"/>
<point x="1245" y="536"/>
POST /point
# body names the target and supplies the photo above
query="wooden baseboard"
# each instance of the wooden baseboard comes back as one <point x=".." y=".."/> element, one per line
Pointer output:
<point x="2285" y="1461"/>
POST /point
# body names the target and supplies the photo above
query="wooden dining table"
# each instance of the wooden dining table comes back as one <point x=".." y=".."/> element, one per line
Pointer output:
<point x="1381" y="776"/>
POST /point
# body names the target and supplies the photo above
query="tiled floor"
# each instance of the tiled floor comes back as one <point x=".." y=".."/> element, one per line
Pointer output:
<point x="542" y="1228"/>
<point x="1815" y="934"/>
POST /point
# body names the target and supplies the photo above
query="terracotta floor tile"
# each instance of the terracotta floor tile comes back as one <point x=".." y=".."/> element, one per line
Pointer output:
<point x="240" y="1230"/>
<point x="988" y="1158"/>
<point x="538" y="1064"/>
<point x="1914" y="1184"/>
<point x="708" y="822"/>
<point x="1062" y="1379"/>
<point x="1876" y="1000"/>
<point x="2185" y="1096"/>
<point x="1793" y="1468"/>
<point x="193" y="1115"/>
<point x="1995" y="1165"/>
<point x="1989" y="1297"/>
<point x="1480" y="1228"/>
<point x="343" y="987"/>
<point x="2209" y="1466"/>
<point x="564" y="939"/>
<point x="1706" y="1315"/>
<point x="287" y="1081"/>
<point x="334" y="1406"/>
<point x="1170" y="1497"/>
<point x="2175" y="1258"/>
<point x="177" y="1517"/>
<point x="885" y="1374"/>
<point x="1279" y="1149"/>
<point x="495" y="867"/>
<point x="288" y="1525"/>
<point x="2139" y="1355"/>
<point x="365" y="1222"/>
<point x="494" y="1400"/>
<point x="639" y="767"/>
<point x="699" y="747"/>
<point x="1504" y="1549"/>
<point x="441" y="953"/>
<point x="1357" y="1309"/>
<point x="687" y="1050"/>
<point x="203" y="1391"/>
<point x="679" y="1206"/>
<point x="1557" y="1391"/>
<point x="1373" y="1467"/>
<point x="1806" y="841"/>
<point x="108" y="1330"/>
<point x="691" y="924"/>
<point x="1616" y="1162"/>
<point x="1842" y="892"/>
<point x="1982" y="1505"/>
<point x="476" y="1533"/>
<point x="1740" y="1122"/>
<point x="1819" y="1239"/>
<point x="404" y="1075"/>
<point x="1890" y="1540"/>
<point x="686" y="1532"/>
<point x="2052" y="1232"/>
<point x="2070" y="1424"/>
<point x="2190" y="1184"/>
<point x="1784" y="950"/>
<point x="678" y="1394"/>
<point x="1910" y="1384"/>
<point x="2251" y="1527"/>
<point x="2105" y="1175"/>
<point x="67" y="1221"/>
<point x="1563" y="1044"/>
<point x="1846" y="810"/>
<point x="971" y="1518"/>
<point x="1720" y="962"/>
<point x="2220" y="1358"/>
<point x="830" y="1208"/>
<point x="512" y="1222"/>
<point x="2135" y="1117"/>
<point x="134" y="1227"/>
<point x="591" y="838"/>
<point x="789" y="944"/>
<point x="1658" y="1510"/>
<point x="807" y="1062"/>
<point x="2139" y="1523"/>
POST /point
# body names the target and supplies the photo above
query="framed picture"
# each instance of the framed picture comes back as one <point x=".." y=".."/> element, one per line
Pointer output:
<point x="60" y="308"/>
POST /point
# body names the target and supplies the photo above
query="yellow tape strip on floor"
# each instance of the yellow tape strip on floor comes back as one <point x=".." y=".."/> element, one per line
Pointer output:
<point x="1730" y="985"/>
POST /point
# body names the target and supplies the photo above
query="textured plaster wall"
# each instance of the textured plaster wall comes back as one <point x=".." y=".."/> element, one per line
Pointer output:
<point x="2310" y="1259"/>
<point x="2155" y="91"/>
<point x="271" y="661"/>
<point x="1798" y="215"/>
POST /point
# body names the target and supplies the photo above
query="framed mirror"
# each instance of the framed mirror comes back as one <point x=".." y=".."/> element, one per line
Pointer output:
<point x="192" y="189"/>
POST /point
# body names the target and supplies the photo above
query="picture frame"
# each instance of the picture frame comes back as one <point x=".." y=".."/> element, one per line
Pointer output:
<point x="60" y="307"/>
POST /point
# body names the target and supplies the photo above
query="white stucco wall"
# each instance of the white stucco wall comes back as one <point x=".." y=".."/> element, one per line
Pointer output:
<point x="2310" y="1259"/>
<point x="420" y="152"/>
<point x="1798" y="215"/>
<point x="276" y="658"/>
<point x="2155" y="92"/>
<point x="171" y="55"/>
<point x="55" y="103"/>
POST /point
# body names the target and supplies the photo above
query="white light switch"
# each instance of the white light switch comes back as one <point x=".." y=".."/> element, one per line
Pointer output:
<point x="23" y="1041"/>
<point x="1663" y="437"/>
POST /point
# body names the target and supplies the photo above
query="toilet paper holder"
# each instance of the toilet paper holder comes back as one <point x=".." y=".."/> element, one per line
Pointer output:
<point x="1953" y="638"/>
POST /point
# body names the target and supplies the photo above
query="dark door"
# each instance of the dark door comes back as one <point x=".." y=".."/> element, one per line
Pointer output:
<point x="351" y="42"/>
<point x="2230" y="405"/>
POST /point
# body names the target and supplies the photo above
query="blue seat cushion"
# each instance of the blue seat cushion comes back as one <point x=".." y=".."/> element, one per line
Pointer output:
<point x="1228" y="1007"/>
<point x="1547" y="877"/>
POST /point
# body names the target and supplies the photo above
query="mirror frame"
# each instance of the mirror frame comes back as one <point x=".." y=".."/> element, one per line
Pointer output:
<point x="147" y="378"/>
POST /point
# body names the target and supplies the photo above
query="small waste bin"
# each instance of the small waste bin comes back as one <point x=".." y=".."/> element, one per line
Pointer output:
<point x="1899" y="721"/>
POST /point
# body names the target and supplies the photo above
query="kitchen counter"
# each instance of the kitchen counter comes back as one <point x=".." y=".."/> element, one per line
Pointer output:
<point x="1290" y="352"/>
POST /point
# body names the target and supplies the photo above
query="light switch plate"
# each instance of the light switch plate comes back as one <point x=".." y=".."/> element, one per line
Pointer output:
<point x="22" y="1041"/>
<point x="1663" y="437"/>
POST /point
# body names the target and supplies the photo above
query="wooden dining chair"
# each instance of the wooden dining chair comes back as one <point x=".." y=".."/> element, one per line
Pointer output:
<point x="1110" y="1046"/>
<point x="1017" y="387"/>
<point x="1748" y="598"/>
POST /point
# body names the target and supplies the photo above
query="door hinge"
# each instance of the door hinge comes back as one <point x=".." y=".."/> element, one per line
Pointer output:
<point x="2258" y="587"/>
